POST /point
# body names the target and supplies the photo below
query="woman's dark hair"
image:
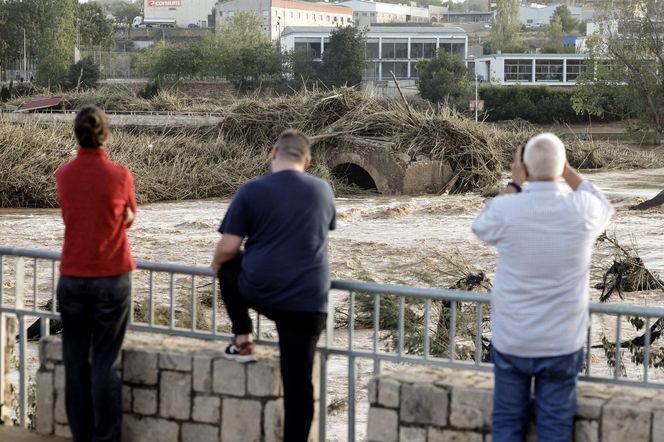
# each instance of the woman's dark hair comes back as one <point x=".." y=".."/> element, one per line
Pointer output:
<point x="91" y="127"/>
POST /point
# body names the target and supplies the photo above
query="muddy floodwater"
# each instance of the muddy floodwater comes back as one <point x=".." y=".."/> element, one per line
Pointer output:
<point x="423" y="241"/>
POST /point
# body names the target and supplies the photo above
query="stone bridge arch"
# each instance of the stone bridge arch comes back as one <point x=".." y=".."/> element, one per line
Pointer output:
<point x="394" y="174"/>
<point x="365" y="163"/>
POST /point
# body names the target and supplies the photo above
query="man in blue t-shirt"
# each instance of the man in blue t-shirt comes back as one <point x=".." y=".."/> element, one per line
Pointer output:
<point x="283" y="272"/>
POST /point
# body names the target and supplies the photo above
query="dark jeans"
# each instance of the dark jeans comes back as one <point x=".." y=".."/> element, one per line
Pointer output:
<point x="298" y="335"/>
<point x="555" y="396"/>
<point x="94" y="312"/>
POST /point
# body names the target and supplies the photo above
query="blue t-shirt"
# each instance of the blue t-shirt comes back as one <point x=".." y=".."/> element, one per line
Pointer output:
<point x="286" y="217"/>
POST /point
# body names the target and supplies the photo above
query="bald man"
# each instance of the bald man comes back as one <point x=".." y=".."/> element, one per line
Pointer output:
<point x="539" y="305"/>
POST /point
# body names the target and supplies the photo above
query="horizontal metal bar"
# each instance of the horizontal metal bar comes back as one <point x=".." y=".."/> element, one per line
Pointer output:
<point x="355" y="286"/>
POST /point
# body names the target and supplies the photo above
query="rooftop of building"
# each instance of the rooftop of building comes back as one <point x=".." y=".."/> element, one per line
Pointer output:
<point x="398" y="29"/>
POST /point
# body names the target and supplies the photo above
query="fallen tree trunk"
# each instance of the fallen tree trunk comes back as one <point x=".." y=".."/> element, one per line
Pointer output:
<point x="655" y="202"/>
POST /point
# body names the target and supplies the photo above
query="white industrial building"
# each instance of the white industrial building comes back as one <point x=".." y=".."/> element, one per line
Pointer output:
<point x="535" y="15"/>
<point x="528" y="69"/>
<point x="277" y="15"/>
<point x="184" y="12"/>
<point x="367" y="13"/>
<point x="389" y="48"/>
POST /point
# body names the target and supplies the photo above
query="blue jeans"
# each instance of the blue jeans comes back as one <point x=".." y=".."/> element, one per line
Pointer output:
<point x="555" y="396"/>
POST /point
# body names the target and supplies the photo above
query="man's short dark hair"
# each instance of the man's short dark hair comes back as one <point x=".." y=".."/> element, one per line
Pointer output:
<point x="294" y="146"/>
<point x="91" y="127"/>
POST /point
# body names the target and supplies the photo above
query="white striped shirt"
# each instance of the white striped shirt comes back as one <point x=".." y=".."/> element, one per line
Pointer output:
<point x="544" y="237"/>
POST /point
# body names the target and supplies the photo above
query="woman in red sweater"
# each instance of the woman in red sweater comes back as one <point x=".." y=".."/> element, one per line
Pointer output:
<point x="94" y="291"/>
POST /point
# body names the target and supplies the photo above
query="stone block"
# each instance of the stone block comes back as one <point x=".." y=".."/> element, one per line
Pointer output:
<point x="175" y="395"/>
<point x="126" y="398"/>
<point x="589" y="407"/>
<point x="228" y="377"/>
<point x="471" y="408"/>
<point x="263" y="379"/>
<point x="63" y="431"/>
<point x="53" y="349"/>
<point x="586" y="431"/>
<point x="424" y="404"/>
<point x="388" y="393"/>
<point x="273" y="419"/>
<point x="140" y="367"/>
<point x="60" y="413"/>
<point x="372" y="393"/>
<point x="383" y="425"/>
<point x="240" y="420"/>
<point x="439" y="435"/>
<point x="145" y="401"/>
<point x="622" y="421"/>
<point x="59" y="377"/>
<point x="175" y="361"/>
<point x="202" y="371"/>
<point x="200" y="432"/>
<point x="207" y="409"/>
<point x="45" y="402"/>
<point x="148" y="429"/>
<point x="412" y="434"/>
<point x="658" y="426"/>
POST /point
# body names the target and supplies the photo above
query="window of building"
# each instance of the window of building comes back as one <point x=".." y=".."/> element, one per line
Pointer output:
<point x="310" y="46"/>
<point x="364" y="14"/>
<point x="400" y="70"/>
<point x="422" y="48"/>
<point x="299" y="15"/>
<point x="328" y="18"/>
<point x="313" y="16"/>
<point x="518" y="70"/>
<point x="266" y="13"/>
<point x="372" y="49"/>
<point x="548" y="70"/>
<point x="334" y="19"/>
<point x="371" y="71"/>
<point x="574" y="69"/>
<point x="221" y="13"/>
<point x="320" y="17"/>
<point x="395" y="48"/>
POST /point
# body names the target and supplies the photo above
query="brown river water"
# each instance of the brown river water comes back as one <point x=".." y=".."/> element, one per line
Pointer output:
<point x="424" y="241"/>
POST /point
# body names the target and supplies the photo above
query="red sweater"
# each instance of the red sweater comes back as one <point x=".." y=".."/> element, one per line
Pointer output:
<point x="93" y="193"/>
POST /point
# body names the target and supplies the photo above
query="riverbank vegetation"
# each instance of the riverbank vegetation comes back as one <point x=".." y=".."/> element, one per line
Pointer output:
<point x="204" y="162"/>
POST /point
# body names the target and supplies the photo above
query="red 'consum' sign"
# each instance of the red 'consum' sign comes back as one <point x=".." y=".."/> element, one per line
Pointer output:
<point x="163" y="3"/>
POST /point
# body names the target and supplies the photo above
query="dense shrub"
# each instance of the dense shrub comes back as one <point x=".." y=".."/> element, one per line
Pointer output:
<point x="536" y="104"/>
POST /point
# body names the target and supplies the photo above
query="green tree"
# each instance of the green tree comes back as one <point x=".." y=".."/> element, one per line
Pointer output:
<point x="625" y="56"/>
<point x="57" y="40"/>
<point x="245" y="54"/>
<point x="564" y="15"/>
<point x="93" y="27"/>
<point x="83" y="75"/>
<point x="302" y="66"/>
<point x="444" y="79"/>
<point x="344" y="57"/>
<point x="506" y="28"/>
<point x="173" y="62"/>
<point x="555" y="37"/>
<point x="124" y="12"/>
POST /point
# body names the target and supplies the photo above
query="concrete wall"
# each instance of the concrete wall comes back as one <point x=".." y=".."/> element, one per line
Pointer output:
<point x="179" y="390"/>
<point x="427" y="404"/>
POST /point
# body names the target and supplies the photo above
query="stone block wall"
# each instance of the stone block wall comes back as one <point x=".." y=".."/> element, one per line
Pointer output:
<point x="178" y="390"/>
<point x="437" y="405"/>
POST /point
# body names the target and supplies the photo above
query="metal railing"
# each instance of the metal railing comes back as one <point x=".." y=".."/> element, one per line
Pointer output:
<point x="384" y="324"/>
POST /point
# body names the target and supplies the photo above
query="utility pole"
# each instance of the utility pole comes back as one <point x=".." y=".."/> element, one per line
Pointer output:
<point x="25" y="57"/>
<point x="476" y="94"/>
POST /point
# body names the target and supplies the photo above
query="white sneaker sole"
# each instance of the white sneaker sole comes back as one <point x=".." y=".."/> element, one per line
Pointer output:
<point x="243" y="359"/>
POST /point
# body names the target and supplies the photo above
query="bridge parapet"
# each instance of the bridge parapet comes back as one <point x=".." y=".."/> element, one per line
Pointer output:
<point x="177" y="390"/>
<point x="440" y="404"/>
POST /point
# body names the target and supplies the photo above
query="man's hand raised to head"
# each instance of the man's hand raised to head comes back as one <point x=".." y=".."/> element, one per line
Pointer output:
<point x="519" y="173"/>
<point x="572" y="177"/>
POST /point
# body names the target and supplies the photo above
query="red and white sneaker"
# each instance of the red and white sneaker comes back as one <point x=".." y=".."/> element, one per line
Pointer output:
<point x="241" y="353"/>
